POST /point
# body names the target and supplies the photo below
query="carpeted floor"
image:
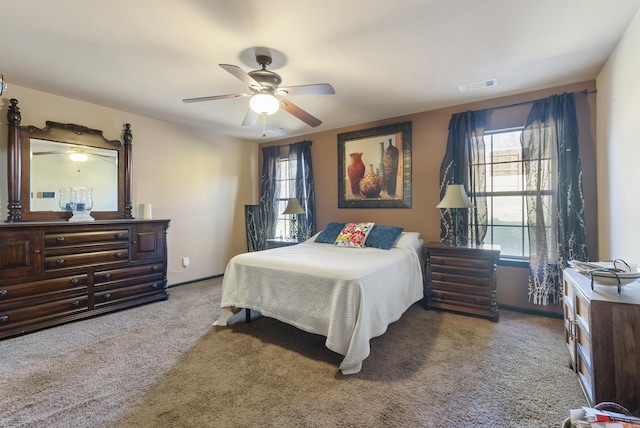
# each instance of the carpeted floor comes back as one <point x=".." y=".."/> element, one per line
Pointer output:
<point x="164" y="365"/>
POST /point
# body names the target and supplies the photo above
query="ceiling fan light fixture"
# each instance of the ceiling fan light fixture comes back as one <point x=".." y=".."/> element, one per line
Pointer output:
<point x="264" y="103"/>
<point x="79" y="157"/>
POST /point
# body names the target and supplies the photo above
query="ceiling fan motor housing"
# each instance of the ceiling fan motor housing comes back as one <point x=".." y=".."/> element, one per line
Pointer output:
<point x="267" y="79"/>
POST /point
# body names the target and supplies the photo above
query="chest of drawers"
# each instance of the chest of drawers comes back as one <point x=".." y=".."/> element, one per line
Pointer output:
<point x="462" y="278"/>
<point x="602" y="335"/>
<point x="56" y="272"/>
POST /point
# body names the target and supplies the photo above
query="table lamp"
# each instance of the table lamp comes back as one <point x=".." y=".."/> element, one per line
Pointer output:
<point x="455" y="198"/>
<point x="294" y="208"/>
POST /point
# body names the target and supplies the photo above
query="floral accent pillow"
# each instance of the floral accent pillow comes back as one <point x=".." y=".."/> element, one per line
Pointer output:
<point x="353" y="235"/>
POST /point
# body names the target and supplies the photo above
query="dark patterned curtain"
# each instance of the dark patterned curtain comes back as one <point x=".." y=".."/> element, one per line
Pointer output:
<point x="304" y="189"/>
<point x="555" y="202"/>
<point x="268" y="196"/>
<point x="464" y="163"/>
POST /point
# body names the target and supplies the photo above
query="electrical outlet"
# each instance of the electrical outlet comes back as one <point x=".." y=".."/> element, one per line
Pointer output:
<point x="185" y="262"/>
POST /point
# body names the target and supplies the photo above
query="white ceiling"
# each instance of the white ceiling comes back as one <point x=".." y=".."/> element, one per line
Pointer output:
<point x="384" y="58"/>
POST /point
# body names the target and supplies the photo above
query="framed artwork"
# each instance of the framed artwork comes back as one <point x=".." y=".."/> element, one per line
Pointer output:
<point x="374" y="167"/>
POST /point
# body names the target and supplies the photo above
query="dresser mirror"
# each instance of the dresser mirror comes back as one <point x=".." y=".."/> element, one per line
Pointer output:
<point x="56" y="165"/>
<point x="42" y="161"/>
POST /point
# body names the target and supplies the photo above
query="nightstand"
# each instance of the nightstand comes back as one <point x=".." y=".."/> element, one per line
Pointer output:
<point x="281" y="242"/>
<point x="462" y="278"/>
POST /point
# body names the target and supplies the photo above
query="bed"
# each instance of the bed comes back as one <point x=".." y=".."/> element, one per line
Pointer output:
<point x="349" y="295"/>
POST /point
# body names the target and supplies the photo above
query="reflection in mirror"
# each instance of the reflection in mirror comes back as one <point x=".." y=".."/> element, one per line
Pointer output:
<point x="56" y="165"/>
<point x="23" y="163"/>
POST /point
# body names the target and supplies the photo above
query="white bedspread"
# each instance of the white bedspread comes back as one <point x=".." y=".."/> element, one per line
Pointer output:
<point x="349" y="295"/>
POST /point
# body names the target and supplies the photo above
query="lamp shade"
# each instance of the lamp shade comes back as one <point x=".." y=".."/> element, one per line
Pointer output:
<point x="264" y="103"/>
<point x="455" y="197"/>
<point x="293" y="207"/>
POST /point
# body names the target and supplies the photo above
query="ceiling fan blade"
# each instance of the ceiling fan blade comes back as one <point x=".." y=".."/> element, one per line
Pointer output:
<point x="250" y="118"/>
<point x="296" y="111"/>
<point x="242" y="75"/>
<point x="316" y="89"/>
<point x="54" y="152"/>
<point x="213" y="97"/>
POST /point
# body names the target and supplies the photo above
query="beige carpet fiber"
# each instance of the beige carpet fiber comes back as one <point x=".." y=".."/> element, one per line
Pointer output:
<point x="164" y="365"/>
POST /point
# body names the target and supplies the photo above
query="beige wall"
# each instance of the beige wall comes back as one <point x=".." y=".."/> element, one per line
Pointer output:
<point x="198" y="180"/>
<point x="202" y="181"/>
<point x="429" y="138"/>
<point x="619" y="149"/>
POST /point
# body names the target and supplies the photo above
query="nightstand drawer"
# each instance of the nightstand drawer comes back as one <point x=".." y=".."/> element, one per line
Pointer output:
<point x="460" y="287"/>
<point x="441" y="296"/>
<point x="477" y="263"/>
<point x="481" y="281"/>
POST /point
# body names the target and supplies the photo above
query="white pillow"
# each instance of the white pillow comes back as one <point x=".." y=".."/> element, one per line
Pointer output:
<point x="407" y="240"/>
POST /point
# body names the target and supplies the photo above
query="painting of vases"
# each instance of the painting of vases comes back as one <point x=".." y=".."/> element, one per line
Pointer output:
<point x="375" y="167"/>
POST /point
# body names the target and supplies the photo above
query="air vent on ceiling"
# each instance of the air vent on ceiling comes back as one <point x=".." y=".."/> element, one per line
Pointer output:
<point x="477" y="85"/>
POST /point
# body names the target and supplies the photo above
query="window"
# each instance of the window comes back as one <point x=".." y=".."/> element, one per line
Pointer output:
<point x="285" y="185"/>
<point x="505" y="193"/>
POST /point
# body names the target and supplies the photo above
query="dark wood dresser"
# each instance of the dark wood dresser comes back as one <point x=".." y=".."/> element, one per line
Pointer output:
<point x="56" y="272"/>
<point x="462" y="278"/>
<point x="602" y="332"/>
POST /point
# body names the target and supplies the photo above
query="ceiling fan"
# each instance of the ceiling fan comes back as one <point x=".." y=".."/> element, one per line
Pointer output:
<point x="267" y="95"/>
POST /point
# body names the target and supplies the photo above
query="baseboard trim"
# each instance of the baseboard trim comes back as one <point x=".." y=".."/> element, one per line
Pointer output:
<point x="218" y="275"/>
<point x="532" y="311"/>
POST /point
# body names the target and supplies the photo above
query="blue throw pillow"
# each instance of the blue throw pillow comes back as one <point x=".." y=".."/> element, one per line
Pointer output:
<point x="330" y="233"/>
<point x="383" y="236"/>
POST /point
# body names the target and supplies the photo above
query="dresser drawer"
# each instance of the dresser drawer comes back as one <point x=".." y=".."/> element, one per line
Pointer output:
<point x="14" y="318"/>
<point x="66" y="261"/>
<point x="84" y="238"/>
<point x="50" y="289"/>
<point x="106" y="277"/>
<point x="106" y="297"/>
<point x="476" y="262"/>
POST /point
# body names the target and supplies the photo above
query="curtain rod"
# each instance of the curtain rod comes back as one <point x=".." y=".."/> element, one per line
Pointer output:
<point x="584" y="91"/>
<point x="288" y="144"/>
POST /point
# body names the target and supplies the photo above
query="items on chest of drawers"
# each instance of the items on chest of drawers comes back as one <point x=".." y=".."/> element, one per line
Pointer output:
<point x="462" y="278"/>
<point x="60" y="272"/>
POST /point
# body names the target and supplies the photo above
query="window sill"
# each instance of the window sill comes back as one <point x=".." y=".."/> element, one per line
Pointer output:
<point x="506" y="261"/>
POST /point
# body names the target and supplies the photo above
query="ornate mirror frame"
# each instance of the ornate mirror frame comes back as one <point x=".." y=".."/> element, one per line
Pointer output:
<point x="18" y="165"/>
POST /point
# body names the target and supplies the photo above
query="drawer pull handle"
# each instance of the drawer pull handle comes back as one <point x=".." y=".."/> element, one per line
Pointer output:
<point x="60" y="238"/>
<point x="118" y="235"/>
<point x="478" y="263"/>
<point x="118" y="255"/>
<point x="74" y="282"/>
<point x="37" y="251"/>
<point x="155" y="268"/>
<point x="3" y="293"/>
<point x="60" y="261"/>
<point x="107" y="296"/>
<point x="75" y="303"/>
<point x="154" y="285"/>
<point x="106" y="276"/>
<point x="4" y="319"/>
<point x="134" y="242"/>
